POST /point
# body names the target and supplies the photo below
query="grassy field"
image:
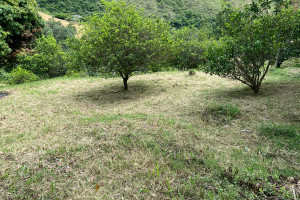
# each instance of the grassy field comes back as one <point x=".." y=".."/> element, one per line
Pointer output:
<point x="172" y="136"/>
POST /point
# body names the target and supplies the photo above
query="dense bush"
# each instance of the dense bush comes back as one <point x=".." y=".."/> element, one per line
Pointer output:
<point x="47" y="60"/>
<point x="61" y="15"/>
<point x="20" y="24"/>
<point x="19" y="75"/>
<point x="187" y="51"/>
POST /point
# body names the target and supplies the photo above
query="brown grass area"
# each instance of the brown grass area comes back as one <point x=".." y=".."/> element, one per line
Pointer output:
<point x="84" y="138"/>
<point x="47" y="17"/>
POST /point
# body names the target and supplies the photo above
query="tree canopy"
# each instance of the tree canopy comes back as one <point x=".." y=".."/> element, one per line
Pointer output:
<point x="250" y="41"/>
<point x="19" y="26"/>
<point x="124" y="40"/>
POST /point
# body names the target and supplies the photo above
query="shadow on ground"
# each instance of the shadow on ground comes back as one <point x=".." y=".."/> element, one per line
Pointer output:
<point x="114" y="93"/>
<point x="269" y="89"/>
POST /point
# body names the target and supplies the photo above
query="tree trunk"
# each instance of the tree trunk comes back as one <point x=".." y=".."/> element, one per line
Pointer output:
<point x="278" y="59"/>
<point x="125" y="79"/>
<point x="256" y="88"/>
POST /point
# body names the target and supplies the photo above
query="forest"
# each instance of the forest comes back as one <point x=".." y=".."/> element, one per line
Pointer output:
<point x="161" y="99"/>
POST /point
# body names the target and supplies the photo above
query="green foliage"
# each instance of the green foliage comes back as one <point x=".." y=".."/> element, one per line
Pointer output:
<point x="4" y="48"/>
<point x="124" y="41"/>
<point x="47" y="61"/>
<point x="288" y="35"/>
<point x="66" y="8"/>
<point x="4" y="76"/>
<point x="19" y="26"/>
<point x="249" y="44"/>
<point x="61" y="15"/>
<point x="76" y="58"/>
<point x="179" y="12"/>
<point x="59" y="32"/>
<point x="187" y="48"/>
<point x="19" y="75"/>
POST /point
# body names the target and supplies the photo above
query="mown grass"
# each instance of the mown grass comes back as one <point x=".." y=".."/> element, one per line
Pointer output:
<point x="84" y="138"/>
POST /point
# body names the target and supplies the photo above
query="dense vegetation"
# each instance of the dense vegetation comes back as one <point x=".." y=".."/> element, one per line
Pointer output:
<point x="20" y="24"/>
<point x="179" y="12"/>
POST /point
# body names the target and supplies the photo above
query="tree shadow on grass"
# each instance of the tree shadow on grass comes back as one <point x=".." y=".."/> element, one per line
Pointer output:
<point x="268" y="89"/>
<point x="115" y="93"/>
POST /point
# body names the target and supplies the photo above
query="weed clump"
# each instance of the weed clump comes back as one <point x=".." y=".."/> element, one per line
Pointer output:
<point x="222" y="112"/>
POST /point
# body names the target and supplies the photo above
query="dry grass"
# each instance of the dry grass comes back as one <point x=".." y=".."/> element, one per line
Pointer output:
<point x="47" y="17"/>
<point x="84" y="138"/>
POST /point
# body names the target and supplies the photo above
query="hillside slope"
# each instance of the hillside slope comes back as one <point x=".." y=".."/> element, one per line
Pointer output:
<point x="47" y="17"/>
<point x="179" y="12"/>
<point x="166" y="138"/>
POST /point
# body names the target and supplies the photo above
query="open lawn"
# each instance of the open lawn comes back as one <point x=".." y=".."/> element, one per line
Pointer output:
<point x="172" y="136"/>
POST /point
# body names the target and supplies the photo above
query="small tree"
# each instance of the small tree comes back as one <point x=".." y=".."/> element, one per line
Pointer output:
<point x="249" y="44"/>
<point x="47" y="59"/>
<point x="124" y="40"/>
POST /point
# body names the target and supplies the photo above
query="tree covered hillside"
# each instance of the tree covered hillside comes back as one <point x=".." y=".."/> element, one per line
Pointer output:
<point x="179" y="12"/>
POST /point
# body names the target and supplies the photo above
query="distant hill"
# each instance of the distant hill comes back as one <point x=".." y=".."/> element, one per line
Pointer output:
<point x="179" y="12"/>
<point x="47" y="17"/>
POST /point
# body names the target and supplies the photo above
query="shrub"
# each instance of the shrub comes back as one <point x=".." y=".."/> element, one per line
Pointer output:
<point x="19" y="75"/>
<point x="61" y="15"/>
<point x="48" y="60"/>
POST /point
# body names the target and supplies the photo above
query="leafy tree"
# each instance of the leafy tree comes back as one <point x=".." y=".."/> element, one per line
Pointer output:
<point x="47" y="60"/>
<point x="19" y="26"/>
<point x="187" y="48"/>
<point x="288" y="31"/>
<point x="124" y="40"/>
<point x="249" y="44"/>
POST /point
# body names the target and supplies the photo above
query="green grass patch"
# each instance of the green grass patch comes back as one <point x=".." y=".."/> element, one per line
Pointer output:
<point x="284" y="136"/>
<point x="222" y="112"/>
